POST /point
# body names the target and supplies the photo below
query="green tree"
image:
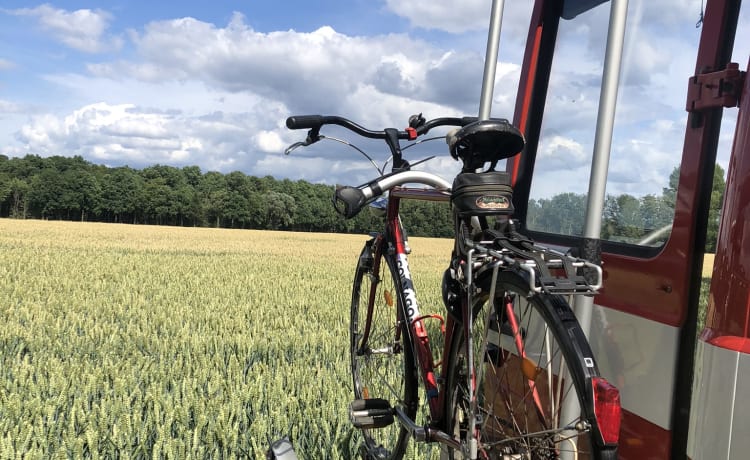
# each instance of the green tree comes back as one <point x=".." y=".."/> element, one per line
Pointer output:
<point x="714" y="211"/>
<point x="82" y="193"/>
<point x="157" y="202"/>
<point x="45" y="192"/>
<point x="669" y="194"/>
<point x="718" y="187"/>
<point x="122" y="194"/>
<point x="19" y="202"/>
<point x="280" y="210"/>
<point x="192" y="175"/>
<point x="610" y="217"/>
<point x="237" y="210"/>
<point x="4" y="192"/>
<point x="173" y="182"/>
<point x="327" y="218"/>
<point x="656" y="212"/>
<point x="562" y="214"/>
<point x="630" y="224"/>
<point x="213" y="197"/>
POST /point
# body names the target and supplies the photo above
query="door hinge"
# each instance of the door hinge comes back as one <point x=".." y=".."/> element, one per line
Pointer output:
<point x="715" y="89"/>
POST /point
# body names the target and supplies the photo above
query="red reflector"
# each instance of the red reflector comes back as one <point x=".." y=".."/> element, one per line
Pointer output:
<point x="607" y="409"/>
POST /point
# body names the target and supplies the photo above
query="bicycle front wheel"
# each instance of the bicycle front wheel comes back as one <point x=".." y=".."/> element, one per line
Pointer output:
<point x="381" y="351"/>
<point x="532" y="367"/>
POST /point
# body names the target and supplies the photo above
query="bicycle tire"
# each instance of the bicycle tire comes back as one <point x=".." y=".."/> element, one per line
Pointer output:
<point x="511" y="416"/>
<point x="389" y="374"/>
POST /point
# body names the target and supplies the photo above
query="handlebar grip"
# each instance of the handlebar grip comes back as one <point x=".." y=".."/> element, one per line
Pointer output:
<point x="348" y="201"/>
<point x="304" y="122"/>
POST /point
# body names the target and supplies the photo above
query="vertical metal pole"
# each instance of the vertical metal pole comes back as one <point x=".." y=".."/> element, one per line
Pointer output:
<point x="600" y="163"/>
<point x="490" y="59"/>
<point x="602" y="145"/>
<point x="485" y="106"/>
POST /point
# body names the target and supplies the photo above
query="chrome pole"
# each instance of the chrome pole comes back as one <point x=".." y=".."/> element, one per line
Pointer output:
<point x="597" y="182"/>
<point x="602" y="146"/>
<point x="490" y="59"/>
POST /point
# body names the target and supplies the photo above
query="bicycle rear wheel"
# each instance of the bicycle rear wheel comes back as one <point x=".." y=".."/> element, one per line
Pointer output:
<point x="534" y="374"/>
<point x="382" y="357"/>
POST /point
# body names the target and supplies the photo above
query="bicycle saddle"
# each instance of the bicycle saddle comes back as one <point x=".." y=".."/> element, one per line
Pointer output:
<point x="485" y="141"/>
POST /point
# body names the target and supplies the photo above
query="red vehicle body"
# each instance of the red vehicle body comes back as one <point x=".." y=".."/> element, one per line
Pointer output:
<point x="685" y="393"/>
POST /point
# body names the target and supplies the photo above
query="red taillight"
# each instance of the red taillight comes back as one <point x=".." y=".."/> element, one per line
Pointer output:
<point x="607" y="409"/>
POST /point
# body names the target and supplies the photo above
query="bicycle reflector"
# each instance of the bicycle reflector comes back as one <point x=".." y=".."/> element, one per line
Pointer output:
<point x="607" y="409"/>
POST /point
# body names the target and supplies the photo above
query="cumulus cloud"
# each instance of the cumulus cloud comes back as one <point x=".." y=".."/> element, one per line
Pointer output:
<point x="125" y="134"/>
<point x="321" y="71"/>
<point x="557" y="153"/>
<point x="269" y="142"/>
<point x="83" y="30"/>
<point x="194" y="92"/>
<point x="457" y="18"/>
<point x="305" y="71"/>
<point x="217" y="96"/>
<point x="443" y="14"/>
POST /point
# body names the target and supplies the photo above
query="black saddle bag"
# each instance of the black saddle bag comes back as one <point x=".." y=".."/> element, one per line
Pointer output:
<point x="482" y="194"/>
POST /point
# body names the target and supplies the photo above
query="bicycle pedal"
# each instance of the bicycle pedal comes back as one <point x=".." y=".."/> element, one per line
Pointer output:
<point x="370" y="413"/>
<point x="375" y="453"/>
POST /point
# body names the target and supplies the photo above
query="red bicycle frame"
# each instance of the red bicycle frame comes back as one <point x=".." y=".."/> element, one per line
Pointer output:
<point x="394" y="243"/>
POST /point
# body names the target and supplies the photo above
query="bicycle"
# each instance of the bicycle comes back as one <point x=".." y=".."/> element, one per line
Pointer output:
<point x="518" y="379"/>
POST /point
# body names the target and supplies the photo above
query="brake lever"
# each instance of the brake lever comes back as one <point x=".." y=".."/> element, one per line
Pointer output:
<point x="313" y="136"/>
<point x="294" y="146"/>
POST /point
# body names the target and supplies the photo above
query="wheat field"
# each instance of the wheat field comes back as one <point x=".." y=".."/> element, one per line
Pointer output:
<point x="122" y="341"/>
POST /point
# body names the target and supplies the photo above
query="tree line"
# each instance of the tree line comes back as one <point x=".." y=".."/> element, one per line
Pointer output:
<point x="625" y="218"/>
<point x="71" y="188"/>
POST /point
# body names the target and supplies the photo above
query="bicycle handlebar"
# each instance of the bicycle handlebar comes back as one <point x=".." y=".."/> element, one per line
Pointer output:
<point x="348" y="201"/>
<point x="315" y="122"/>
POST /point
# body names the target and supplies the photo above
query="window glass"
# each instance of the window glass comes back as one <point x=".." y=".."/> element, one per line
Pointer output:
<point x="658" y="59"/>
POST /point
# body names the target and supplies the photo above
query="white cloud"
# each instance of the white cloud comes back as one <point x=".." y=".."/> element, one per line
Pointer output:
<point x="197" y="93"/>
<point x="444" y="15"/>
<point x="269" y="141"/>
<point x="124" y="134"/>
<point x="460" y="17"/>
<point x="558" y="153"/>
<point x="83" y="29"/>
<point x="305" y="71"/>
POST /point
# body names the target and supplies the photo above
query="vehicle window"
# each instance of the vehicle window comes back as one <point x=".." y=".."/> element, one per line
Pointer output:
<point x="658" y="59"/>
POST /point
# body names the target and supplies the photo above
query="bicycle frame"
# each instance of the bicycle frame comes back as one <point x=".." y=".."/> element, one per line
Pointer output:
<point x="420" y="341"/>
<point x="394" y="241"/>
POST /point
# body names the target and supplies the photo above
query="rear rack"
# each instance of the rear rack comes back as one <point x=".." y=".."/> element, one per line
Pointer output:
<point x="549" y="271"/>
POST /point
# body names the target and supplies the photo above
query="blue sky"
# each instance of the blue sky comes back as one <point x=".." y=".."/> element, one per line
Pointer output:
<point x="210" y="83"/>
